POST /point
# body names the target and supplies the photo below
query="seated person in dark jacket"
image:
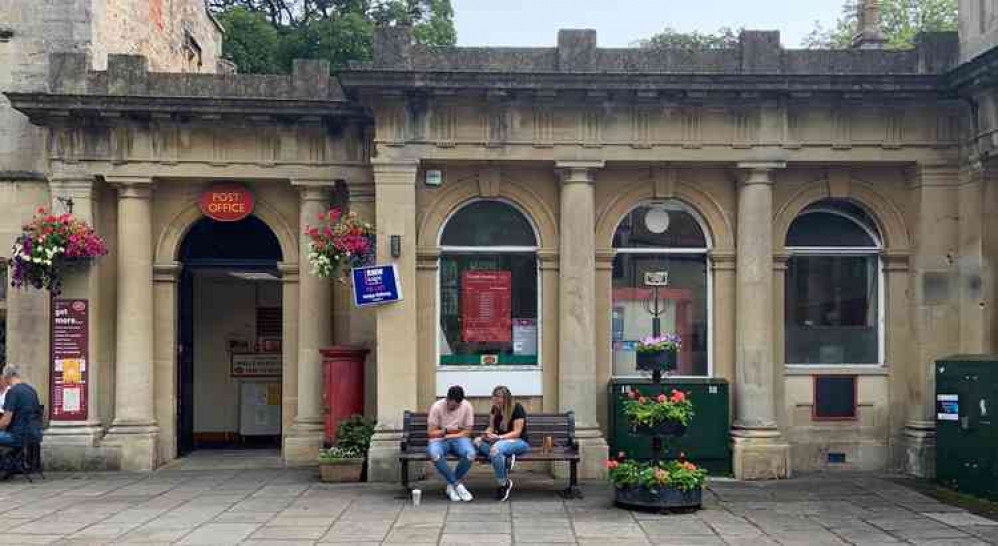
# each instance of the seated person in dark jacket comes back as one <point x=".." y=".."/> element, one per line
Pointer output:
<point x="19" y="408"/>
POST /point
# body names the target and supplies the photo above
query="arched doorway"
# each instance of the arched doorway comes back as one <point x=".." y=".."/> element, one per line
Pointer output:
<point x="229" y="336"/>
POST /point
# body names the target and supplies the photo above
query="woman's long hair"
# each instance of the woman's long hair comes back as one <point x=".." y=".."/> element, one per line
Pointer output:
<point x="507" y="405"/>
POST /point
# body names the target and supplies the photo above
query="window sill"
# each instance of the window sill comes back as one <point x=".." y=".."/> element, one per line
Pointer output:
<point x="835" y="369"/>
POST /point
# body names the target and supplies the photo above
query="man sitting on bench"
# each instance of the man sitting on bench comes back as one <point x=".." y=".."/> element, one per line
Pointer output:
<point x="19" y="405"/>
<point x="449" y="427"/>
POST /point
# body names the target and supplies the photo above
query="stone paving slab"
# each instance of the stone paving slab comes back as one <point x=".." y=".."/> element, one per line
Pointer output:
<point x="290" y="506"/>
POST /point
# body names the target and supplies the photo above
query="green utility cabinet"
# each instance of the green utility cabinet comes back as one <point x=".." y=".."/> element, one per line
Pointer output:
<point x="967" y="424"/>
<point x="707" y="440"/>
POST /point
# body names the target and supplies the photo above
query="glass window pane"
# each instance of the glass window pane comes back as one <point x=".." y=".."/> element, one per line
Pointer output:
<point x="488" y="309"/>
<point x="832" y="310"/>
<point x="824" y="229"/>
<point x="684" y="305"/>
<point x="488" y="223"/>
<point x="665" y="225"/>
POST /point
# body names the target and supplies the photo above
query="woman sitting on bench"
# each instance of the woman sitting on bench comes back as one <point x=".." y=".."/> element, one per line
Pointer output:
<point x="505" y="437"/>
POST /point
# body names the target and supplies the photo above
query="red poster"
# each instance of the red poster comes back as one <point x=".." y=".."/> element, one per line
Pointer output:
<point x="485" y="306"/>
<point x="70" y="338"/>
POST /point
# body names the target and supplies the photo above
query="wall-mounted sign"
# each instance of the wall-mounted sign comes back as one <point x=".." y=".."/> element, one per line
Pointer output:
<point x="257" y="365"/>
<point x="486" y="306"/>
<point x="70" y="339"/>
<point x="376" y="284"/>
<point x="226" y="202"/>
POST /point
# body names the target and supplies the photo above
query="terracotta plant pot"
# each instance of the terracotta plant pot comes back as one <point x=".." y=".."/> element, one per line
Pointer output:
<point x="664" y="498"/>
<point x="665" y="428"/>
<point x="657" y="360"/>
<point x="341" y="470"/>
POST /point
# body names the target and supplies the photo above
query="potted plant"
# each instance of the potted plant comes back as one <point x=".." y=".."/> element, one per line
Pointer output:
<point x="663" y="415"/>
<point x="48" y="245"/>
<point x="657" y="484"/>
<point x="658" y="352"/>
<point x="346" y="461"/>
<point x="343" y="241"/>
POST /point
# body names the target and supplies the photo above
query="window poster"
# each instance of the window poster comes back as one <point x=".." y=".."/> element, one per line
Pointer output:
<point x="524" y="336"/>
<point x="70" y="338"/>
<point x="486" y="309"/>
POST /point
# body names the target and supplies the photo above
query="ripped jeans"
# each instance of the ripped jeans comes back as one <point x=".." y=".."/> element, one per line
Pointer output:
<point x="499" y="453"/>
<point x="461" y="448"/>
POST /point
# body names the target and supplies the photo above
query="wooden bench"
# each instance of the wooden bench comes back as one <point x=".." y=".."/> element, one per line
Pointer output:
<point x="559" y="426"/>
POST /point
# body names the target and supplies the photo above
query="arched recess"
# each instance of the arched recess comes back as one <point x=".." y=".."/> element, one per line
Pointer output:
<point x="169" y="241"/>
<point x="457" y="195"/>
<point x="717" y="225"/>
<point x="883" y="211"/>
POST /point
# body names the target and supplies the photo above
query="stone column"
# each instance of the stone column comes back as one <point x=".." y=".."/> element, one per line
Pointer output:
<point x="289" y="349"/>
<point x="936" y="305"/>
<point x="165" y="289"/>
<point x="759" y="451"/>
<point x="577" y="382"/>
<point x="315" y="331"/>
<point x="397" y="344"/>
<point x="70" y="441"/>
<point x="134" y="430"/>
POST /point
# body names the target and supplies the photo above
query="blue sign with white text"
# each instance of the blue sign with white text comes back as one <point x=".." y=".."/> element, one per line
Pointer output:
<point x="375" y="285"/>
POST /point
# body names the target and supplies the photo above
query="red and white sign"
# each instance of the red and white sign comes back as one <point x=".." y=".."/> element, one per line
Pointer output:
<point x="486" y="306"/>
<point x="227" y="203"/>
<point x="70" y="339"/>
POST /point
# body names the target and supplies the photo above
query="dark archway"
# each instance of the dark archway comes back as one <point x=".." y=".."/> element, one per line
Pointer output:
<point x="247" y="248"/>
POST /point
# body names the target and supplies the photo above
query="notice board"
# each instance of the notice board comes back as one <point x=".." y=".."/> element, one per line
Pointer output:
<point x="70" y="342"/>
<point x="486" y="306"/>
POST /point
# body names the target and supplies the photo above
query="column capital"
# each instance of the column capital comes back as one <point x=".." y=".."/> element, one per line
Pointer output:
<point x="723" y="260"/>
<point x="78" y="185"/>
<point x="578" y="172"/>
<point x="399" y="173"/>
<point x="313" y="192"/>
<point x="934" y="174"/>
<point x="131" y="187"/>
<point x="758" y="172"/>
<point x="362" y="193"/>
<point x="166" y="272"/>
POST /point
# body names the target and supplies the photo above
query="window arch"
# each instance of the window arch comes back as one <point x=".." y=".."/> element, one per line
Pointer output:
<point x="834" y="286"/>
<point x="489" y="290"/>
<point x="664" y="236"/>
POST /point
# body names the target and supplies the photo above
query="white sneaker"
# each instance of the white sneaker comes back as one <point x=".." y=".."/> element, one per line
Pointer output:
<point x="463" y="493"/>
<point x="452" y="493"/>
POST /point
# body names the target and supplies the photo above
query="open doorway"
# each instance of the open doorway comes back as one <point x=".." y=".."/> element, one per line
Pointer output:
<point x="230" y="324"/>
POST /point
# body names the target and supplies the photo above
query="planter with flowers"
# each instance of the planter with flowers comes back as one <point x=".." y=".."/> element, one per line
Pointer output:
<point x="657" y="484"/>
<point x="49" y="246"/>
<point x="663" y="415"/>
<point x="341" y="242"/>
<point x="658" y="352"/>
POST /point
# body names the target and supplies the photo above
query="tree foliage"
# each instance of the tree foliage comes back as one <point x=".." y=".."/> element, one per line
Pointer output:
<point x="265" y="36"/>
<point x="900" y="22"/>
<point x="669" y="38"/>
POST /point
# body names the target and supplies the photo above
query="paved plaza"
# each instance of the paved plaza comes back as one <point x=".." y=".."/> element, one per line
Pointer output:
<point x="181" y="505"/>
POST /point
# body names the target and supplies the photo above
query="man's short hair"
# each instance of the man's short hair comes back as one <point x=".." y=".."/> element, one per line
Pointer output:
<point x="455" y="393"/>
<point x="11" y="370"/>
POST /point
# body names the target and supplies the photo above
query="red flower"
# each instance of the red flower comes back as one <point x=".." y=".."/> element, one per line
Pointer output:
<point x="642" y="400"/>
<point x="632" y="395"/>
<point x="621" y="455"/>
<point x="611" y="464"/>
<point x="678" y="396"/>
<point x="322" y="216"/>
<point x="661" y="398"/>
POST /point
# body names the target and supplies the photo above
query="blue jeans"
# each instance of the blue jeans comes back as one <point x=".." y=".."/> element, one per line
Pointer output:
<point x="462" y="448"/>
<point x="498" y="452"/>
<point x="8" y="439"/>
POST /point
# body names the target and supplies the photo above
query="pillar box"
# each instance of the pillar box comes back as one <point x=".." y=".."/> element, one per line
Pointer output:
<point x="343" y="385"/>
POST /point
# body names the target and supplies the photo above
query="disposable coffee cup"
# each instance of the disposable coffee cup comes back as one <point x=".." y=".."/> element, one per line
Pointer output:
<point x="417" y="496"/>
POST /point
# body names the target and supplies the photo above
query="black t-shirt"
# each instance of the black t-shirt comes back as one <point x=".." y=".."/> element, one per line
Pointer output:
<point x="22" y="399"/>
<point x="518" y="413"/>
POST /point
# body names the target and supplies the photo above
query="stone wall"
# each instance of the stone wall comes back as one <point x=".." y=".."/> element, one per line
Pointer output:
<point x="978" y="27"/>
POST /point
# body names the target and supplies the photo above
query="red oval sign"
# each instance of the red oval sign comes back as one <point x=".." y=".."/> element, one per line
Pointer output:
<point x="228" y="203"/>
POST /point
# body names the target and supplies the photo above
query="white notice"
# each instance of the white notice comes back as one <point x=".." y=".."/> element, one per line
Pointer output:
<point x="71" y="400"/>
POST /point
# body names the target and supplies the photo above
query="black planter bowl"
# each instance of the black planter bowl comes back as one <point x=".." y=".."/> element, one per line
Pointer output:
<point x="666" y="498"/>
<point x="667" y="428"/>
<point x="657" y="360"/>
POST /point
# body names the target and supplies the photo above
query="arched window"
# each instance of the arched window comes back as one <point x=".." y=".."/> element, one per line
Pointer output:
<point x="488" y="288"/>
<point x="834" y="287"/>
<point x="661" y="237"/>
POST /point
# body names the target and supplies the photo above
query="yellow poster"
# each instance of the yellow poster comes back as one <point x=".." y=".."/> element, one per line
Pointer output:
<point x="274" y="394"/>
<point x="71" y="371"/>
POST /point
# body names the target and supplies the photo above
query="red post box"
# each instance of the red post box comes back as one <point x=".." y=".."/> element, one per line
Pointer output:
<point x="343" y="385"/>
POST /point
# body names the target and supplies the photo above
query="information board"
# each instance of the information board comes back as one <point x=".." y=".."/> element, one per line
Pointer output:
<point x="257" y="365"/>
<point x="70" y="343"/>
<point x="486" y="306"/>
<point x="374" y="285"/>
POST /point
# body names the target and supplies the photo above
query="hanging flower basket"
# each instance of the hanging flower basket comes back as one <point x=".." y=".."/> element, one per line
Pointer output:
<point x="51" y="245"/>
<point x="339" y="243"/>
<point x="667" y="415"/>
<point x="658" y="353"/>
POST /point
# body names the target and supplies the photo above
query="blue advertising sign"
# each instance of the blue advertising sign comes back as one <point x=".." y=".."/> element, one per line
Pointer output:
<point x="376" y="285"/>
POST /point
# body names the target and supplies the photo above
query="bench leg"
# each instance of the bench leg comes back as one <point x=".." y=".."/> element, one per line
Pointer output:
<point x="573" y="491"/>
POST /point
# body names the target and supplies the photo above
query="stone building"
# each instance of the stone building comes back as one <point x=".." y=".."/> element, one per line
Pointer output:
<point x="821" y="213"/>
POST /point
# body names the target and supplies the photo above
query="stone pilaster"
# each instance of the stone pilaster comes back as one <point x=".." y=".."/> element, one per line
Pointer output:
<point x="289" y="351"/>
<point x="165" y="290"/>
<point x="577" y="383"/>
<point x="315" y="331"/>
<point x="134" y="430"/>
<point x="397" y="343"/>
<point x="759" y="450"/>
